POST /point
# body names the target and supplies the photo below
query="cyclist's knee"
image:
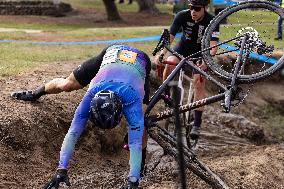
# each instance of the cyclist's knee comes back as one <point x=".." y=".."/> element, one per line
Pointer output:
<point x="69" y="84"/>
<point x="66" y="85"/>
<point x="172" y="59"/>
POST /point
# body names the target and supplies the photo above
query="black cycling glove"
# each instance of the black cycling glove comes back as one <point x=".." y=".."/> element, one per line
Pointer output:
<point x="60" y="176"/>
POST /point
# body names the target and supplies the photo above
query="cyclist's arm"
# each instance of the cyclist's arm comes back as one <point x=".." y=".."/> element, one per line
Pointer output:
<point x="174" y="29"/>
<point x="78" y="124"/>
<point x="135" y="118"/>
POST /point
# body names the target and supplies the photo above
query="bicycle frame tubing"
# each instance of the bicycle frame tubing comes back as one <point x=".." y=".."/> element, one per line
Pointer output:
<point x="229" y="92"/>
<point x="226" y="95"/>
<point x="156" y="97"/>
<point x="187" y="107"/>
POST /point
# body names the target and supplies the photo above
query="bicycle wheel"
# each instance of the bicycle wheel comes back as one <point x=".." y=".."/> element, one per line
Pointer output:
<point x="256" y="19"/>
<point x="169" y="144"/>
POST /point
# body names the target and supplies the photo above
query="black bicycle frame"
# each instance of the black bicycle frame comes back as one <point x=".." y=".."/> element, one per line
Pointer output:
<point x="226" y="95"/>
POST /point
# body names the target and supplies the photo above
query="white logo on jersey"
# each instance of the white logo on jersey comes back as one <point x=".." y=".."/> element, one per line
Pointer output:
<point x="104" y="105"/>
<point x="110" y="56"/>
<point x="190" y="24"/>
<point x="200" y="31"/>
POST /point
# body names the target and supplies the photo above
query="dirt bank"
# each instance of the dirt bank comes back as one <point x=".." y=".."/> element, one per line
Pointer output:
<point x="31" y="135"/>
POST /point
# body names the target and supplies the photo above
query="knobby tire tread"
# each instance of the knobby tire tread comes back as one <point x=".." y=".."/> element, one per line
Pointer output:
<point x="216" y="21"/>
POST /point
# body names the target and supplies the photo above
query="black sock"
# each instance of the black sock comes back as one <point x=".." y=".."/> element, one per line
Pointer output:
<point x="197" y="118"/>
<point x="168" y="91"/>
<point x="39" y="92"/>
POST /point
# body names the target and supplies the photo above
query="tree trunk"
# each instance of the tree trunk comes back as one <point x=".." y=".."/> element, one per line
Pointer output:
<point x="111" y="9"/>
<point x="147" y="6"/>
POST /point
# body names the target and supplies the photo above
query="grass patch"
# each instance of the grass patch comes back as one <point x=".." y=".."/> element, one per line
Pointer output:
<point x="17" y="58"/>
<point x="124" y="7"/>
<point x="117" y="33"/>
<point x="266" y="26"/>
<point x="20" y="24"/>
<point x="20" y="57"/>
<point x="274" y="122"/>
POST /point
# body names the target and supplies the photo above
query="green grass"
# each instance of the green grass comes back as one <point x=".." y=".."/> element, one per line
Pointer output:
<point x="124" y="7"/>
<point x="17" y="58"/>
<point x="274" y="121"/>
<point x="264" y="22"/>
<point x="20" y="57"/>
<point x="40" y="26"/>
<point x="116" y="33"/>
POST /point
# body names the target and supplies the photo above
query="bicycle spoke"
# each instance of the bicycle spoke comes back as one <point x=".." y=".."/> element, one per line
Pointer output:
<point x="262" y="55"/>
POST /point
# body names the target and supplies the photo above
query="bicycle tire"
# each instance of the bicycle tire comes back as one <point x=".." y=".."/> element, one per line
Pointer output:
<point x="223" y="74"/>
<point x="169" y="145"/>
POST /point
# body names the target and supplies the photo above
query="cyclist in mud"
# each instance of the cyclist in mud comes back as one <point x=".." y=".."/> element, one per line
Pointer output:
<point x="193" y="22"/>
<point x="119" y="85"/>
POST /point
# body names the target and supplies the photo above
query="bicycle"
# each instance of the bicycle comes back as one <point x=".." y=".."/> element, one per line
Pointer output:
<point x="245" y="45"/>
<point x="187" y="117"/>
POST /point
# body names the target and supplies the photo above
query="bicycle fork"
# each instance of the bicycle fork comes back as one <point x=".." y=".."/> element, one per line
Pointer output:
<point x="232" y="88"/>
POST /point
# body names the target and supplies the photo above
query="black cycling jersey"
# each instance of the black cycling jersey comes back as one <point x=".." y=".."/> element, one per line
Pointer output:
<point x="85" y="72"/>
<point x="192" y="32"/>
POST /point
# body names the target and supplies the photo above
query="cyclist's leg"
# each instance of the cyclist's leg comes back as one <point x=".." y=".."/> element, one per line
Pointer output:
<point x="199" y="93"/>
<point x="169" y="68"/>
<point x="58" y="85"/>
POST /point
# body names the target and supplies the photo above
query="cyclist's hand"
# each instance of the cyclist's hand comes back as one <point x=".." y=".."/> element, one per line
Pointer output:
<point x="60" y="176"/>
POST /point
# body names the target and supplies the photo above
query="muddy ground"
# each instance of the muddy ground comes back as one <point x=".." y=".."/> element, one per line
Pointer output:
<point x="31" y="135"/>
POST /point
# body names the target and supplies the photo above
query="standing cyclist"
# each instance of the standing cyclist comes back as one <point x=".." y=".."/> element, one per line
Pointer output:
<point x="193" y="22"/>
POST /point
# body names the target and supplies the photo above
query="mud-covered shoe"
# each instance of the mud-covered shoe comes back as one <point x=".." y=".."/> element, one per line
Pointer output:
<point x="194" y="133"/>
<point x="24" y="95"/>
<point x="133" y="183"/>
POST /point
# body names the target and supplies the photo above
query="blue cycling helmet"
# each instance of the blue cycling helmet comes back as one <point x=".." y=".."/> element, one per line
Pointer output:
<point x="105" y="110"/>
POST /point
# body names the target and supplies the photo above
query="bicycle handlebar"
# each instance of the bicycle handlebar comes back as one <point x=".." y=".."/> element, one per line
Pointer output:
<point x="164" y="40"/>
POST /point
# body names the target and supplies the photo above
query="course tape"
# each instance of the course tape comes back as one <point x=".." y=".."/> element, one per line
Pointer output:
<point x="131" y="40"/>
<point x="253" y="55"/>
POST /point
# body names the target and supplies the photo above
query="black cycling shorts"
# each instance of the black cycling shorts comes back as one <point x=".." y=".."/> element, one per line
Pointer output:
<point x="185" y="52"/>
<point x="85" y="72"/>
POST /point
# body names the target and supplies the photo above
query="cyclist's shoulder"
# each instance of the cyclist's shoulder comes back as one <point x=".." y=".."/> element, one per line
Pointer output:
<point x="182" y="14"/>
